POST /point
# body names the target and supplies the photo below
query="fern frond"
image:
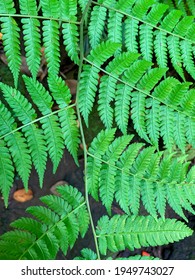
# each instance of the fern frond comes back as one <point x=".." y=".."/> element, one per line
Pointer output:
<point x="83" y="4"/>
<point x="70" y="32"/>
<point x="108" y="86"/>
<point x="98" y="147"/>
<point x="50" y="8"/>
<point x="42" y="240"/>
<point x="67" y="117"/>
<point x="161" y="34"/>
<point x="32" y="38"/>
<point x="96" y="24"/>
<point x="50" y="126"/>
<point x="11" y="43"/>
<point x="131" y="30"/>
<point x="139" y="175"/>
<point x="108" y="171"/>
<point x="123" y="194"/>
<point x="52" y="45"/>
<point x="89" y="76"/>
<point x="16" y="143"/>
<point x="137" y="232"/>
<point x="6" y="172"/>
<point x="26" y="114"/>
<point x="87" y="254"/>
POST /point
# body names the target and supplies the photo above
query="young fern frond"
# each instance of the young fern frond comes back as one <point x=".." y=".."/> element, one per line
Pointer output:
<point x="53" y="227"/>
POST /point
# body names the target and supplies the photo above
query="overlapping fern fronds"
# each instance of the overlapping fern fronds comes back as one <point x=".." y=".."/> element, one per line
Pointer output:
<point x="131" y="89"/>
<point x="130" y="173"/>
<point x="147" y="27"/>
<point x="53" y="227"/>
<point x="186" y="6"/>
<point x="48" y="19"/>
<point x="42" y="132"/>
<point x="133" y="48"/>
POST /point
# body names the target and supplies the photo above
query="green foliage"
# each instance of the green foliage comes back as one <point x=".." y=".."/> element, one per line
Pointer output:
<point x="46" y="134"/>
<point x="134" y="232"/>
<point x="136" y="62"/>
<point x="53" y="227"/>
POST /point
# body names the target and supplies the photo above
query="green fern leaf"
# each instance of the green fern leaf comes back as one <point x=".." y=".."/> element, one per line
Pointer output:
<point x="97" y="149"/>
<point x="138" y="232"/>
<point x="122" y="178"/>
<point x="108" y="171"/>
<point x="31" y="35"/>
<point x="6" y="172"/>
<point x="152" y="120"/>
<point x="70" y="36"/>
<point x="26" y="114"/>
<point x="51" y="128"/>
<point x="108" y="86"/>
<point x="16" y="143"/>
<point x="89" y="76"/>
<point x="30" y="225"/>
<point x="141" y="7"/>
<point x="146" y="41"/>
<point x="180" y="138"/>
<point x="174" y="201"/>
<point x="187" y="55"/>
<point x="73" y="232"/>
<point x="87" y="254"/>
<point x="175" y="54"/>
<point x="60" y="91"/>
<point x="156" y="13"/>
<point x="167" y="116"/>
<point x="70" y="131"/>
<point x="131" y="31"/>
<point x="160" y="48"/>
<point x="138" y="103"/>
<point x="52" y="46"/>
<point x="83" y="4"/>
<point x="190" y="131"/>
<point x="96" y="25"/>
<point x="50" y="8"/>
<point x="70" y="33"/>
<point x="42" y="240"/>
<point x="148" y="198"/>
<point x="11" y="43"/>
<point x="67" y="117"/>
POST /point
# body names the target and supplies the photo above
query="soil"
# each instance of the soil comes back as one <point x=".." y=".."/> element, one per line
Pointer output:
<point x="73" y="175"/>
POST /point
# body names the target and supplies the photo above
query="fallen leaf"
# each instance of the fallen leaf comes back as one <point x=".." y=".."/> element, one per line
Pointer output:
<point x="59" y="183"/>
<point x="145" y="254"/>
<point x="22" y="195"/>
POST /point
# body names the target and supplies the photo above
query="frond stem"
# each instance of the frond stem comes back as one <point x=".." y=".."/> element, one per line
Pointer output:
<point x="36" y="120"/>
<point x="140" y="90"/>
<point x="40" y="18"/>
<point x="81" y="128"/>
